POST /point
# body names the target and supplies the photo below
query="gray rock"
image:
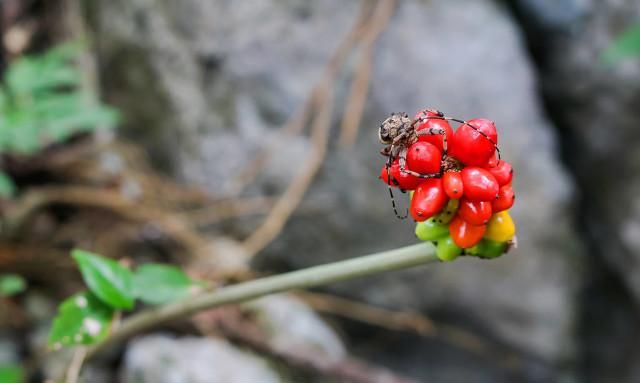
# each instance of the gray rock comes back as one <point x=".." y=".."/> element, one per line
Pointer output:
<point x="596" y="105"/>
<point x="9" y="352"/>
<point x="161" y="359"/>
<point x="555" y="15"/>
<point x="227" y="73"/>
<point x="292" y="325"/>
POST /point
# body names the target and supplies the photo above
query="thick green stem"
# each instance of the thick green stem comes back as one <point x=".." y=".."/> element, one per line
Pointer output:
<point x="314" y="276"/>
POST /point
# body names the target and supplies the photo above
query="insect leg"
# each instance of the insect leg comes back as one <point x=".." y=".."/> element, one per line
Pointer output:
<point x="403" y="167"/>
<point x="446" y="118"/>
<point x="393" y="200"/>
<point x="434" y="131"/>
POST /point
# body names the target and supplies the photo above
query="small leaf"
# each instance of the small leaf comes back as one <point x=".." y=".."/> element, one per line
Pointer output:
<point x="42" y="102"/>
<point x="157" y="284"/>
<point x="625" y="45"/>
<point x="7" y="187"/>
<point x="106" y="278"/>
<point x="11" y="284"/>
<point x="11" y="373"/>
<point x="81" y="319"/>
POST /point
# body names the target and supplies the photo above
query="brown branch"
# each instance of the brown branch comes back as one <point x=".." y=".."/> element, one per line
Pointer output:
<point x="109" y="200"/>
<point x="408" y="321"/>
<point x="73" y="371"/>
<point x="295" y="125"/>
<point x="360" y="86"/>
<point x="296" y="190"/>
<point x="394" y="320"/>
<point x="321" y="125"/>
<point x="228" y="208"/>
<point x="363" y="312"/>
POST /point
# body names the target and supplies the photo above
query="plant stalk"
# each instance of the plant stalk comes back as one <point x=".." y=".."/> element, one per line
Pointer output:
<point x="395" y="259"/>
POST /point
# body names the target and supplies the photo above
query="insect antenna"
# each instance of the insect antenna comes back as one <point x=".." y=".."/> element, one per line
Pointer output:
<point x="442" y="117"/>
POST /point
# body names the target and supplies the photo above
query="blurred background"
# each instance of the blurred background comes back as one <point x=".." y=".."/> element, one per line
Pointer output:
<point x="239" y="139"/>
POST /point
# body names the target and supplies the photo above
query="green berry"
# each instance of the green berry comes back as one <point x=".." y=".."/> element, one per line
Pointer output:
<point x="488" y="249"/>
<point x="430" y="230"/>
<point x="448" y="212"/>
<point x="475" y="250"/>
<point x="447" y="250"/>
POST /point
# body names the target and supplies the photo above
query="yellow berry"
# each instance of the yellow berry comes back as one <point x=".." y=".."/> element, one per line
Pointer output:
<point x="501" y="227"/>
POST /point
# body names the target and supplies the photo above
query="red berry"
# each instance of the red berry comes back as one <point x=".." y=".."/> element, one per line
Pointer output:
<point x="435" y="123"/>
<point x="428" y="199"/>
<point x="492" y="163"/>
<point x="399" y="179"/>
<point x="471" y="146"/>
<point x="475" y="212"/>
<point x="452" y="184"/>
<point x="503" y="172"/>
<point x="505" y="199"/>
<point x="479" y="184"/>
<point x="464" y="234"/>
<point x="424" y="158"/>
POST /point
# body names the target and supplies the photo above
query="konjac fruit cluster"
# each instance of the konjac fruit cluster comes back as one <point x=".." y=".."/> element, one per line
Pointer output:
<point x="460" y="190"/>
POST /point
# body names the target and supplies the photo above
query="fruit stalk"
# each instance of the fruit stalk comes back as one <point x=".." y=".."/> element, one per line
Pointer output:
<point x="395" y="259"/>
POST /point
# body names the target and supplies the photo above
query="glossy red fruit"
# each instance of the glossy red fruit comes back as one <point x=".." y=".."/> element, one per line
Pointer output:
<point x="428" y="199"/>
<point x="503" y="172"/>
<point x="470" y="146"/>
<point x="424" y="158"/>
<point x="436" y="124"/>
<point x="492" y="163"/>
<point x="398" y="179"/>
<point x="505" y="199"/>
<point x="452" y="184"/>
<point x="479" y="184"/>
<point x="475" y="212"/>
<point x="464" y="234"/>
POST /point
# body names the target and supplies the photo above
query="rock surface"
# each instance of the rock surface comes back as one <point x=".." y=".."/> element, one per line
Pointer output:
<point x="596" y="106"/>
<point x="161" y="359"/>
<point x="207" y="82"/>
<point x="292" y="325"/>
<point x="9" y="353"/>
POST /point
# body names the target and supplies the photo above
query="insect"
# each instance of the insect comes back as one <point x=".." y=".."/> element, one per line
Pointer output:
<point x="398" y="132"/>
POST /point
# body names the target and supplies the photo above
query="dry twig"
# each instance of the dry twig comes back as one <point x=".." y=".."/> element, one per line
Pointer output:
<point x="409" y="321"/>
<point x="363" y="312"/>
<point x="73" y="372"/>
<point x="321" y="125"/>
<point x="360" y="86"/>
<point x="296" y="124"/>
<point x="109" y="200"/>
<point x="225" y="209"/>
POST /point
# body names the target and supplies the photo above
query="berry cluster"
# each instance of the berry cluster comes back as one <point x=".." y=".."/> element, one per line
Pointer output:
<point x="460" y="188"/>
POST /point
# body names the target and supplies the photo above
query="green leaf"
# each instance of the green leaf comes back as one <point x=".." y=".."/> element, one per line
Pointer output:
<point x="624" y="46"/>
<point x="7" y="188"/>
<point x="11" y="284"/>
<point x="107" y="279"/>
<point x="11" y="373"/>
<point x="31" y="74"/>
<point x="42" y="103"/>
<point x="81" y="319"/>
<point x="158" y="284"/>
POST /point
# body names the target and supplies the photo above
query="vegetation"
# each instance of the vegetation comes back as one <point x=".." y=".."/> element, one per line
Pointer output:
<point x="43" y="102"/>
<point x="626" y="45"/>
